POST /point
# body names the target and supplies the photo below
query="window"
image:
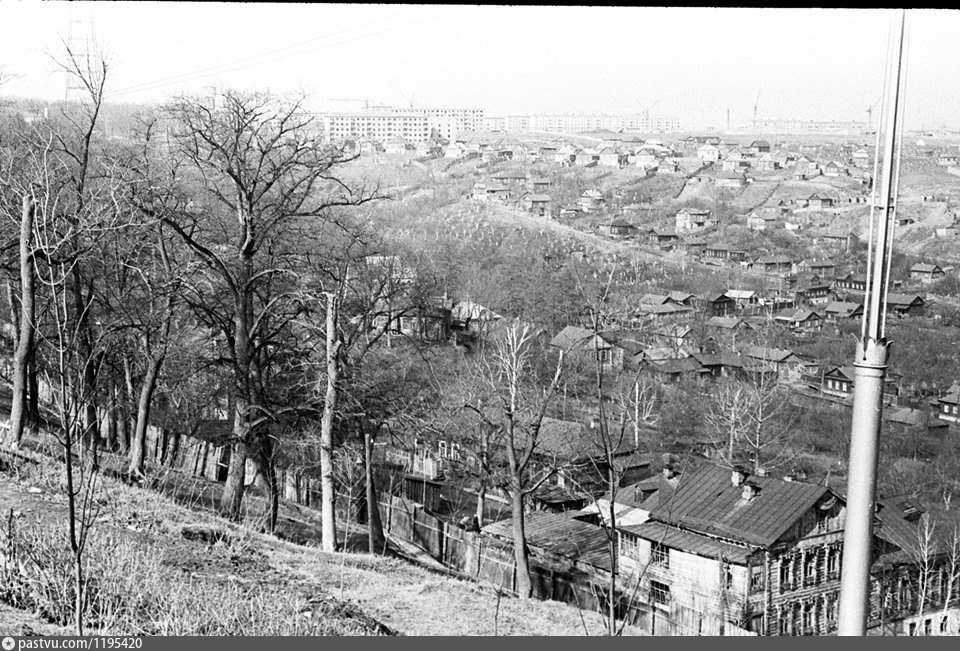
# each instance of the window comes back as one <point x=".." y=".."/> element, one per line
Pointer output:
<point x="810" y="567"/>
<point x="928" y="627"/>
<point x="943" y="625"/>
<point x="913" y="629"/>
<point x="756" y="578"/>
<point x="833" y="562"/>
<point x="660" y="593"/>
<point x="807" y="618"/>
<point x="660" y="554"/>
<point x="629" y="546"/>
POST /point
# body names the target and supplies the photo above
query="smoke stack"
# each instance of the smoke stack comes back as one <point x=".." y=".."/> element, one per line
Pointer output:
<point x="668" y="471"/>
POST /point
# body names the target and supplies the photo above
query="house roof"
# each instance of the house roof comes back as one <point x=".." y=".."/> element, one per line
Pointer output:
<point x="774" y="259"/>
<point x="913" y="418"/>
<point x="705" y="501"/>
<point x="741" y="293"/>
<point x="925" y="268"/>
<point x="680" y="297"/>
<point x="846" y="372"/>
<point x="726" y="322"/>
<point x="689" y="541"/>
<point x="580" y="338"/>
<point x="798" y="315"/>
<point x="695" y="211"/>
<point x="654" y="299"/>
<point x="538" y="197"/>
<point x="768" y="354"/>
<point x="904" y="299"/>
<point x="682" y="365"/>
<point x="842" y="307"/>
<point x="561" y="534"/>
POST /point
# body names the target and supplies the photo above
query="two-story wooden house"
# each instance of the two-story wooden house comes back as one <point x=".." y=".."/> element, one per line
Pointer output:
<point x="724" y="548"/>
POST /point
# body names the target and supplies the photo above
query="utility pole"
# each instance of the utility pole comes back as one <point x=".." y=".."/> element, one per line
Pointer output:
<point x="871" y="364"/>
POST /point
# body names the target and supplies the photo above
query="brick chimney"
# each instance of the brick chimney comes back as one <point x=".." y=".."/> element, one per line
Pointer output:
<point x="668" y="471"/>
<point x="738" y="476"/>
<point x="749" y="491"/>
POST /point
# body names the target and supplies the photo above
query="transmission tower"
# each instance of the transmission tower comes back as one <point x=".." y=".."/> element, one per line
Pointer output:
<point x="80" y="41"/>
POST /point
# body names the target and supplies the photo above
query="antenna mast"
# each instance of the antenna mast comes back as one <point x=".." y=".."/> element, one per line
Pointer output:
<point x="871" y="359"/>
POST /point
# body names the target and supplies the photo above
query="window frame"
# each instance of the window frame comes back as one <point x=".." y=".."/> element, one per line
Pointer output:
<point x="660" y="594"/>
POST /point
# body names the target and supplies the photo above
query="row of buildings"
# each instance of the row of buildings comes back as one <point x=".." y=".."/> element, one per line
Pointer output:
<point x="579" y="122"/>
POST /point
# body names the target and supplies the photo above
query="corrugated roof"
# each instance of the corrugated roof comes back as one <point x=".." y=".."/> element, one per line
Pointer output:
<point x="707" y="502"/>
<point x="689" y="541"/>
<point x="558" y="533"/>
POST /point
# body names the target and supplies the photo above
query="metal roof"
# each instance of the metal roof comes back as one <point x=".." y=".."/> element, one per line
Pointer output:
<point x="707" y="502"/>
<point x="689" y="541"/>
<point x="558" y="533"/>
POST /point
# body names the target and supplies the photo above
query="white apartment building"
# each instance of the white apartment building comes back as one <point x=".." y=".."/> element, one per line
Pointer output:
<point x="376" y="125"/>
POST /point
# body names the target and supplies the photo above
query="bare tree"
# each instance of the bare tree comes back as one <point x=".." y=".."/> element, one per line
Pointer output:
<point x="23" y="350"/>
<point x="513" y="403"/>
<point x="261" y="180"/>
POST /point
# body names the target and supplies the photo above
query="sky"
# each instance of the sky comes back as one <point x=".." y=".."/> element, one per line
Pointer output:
<point x="692" y="63"/>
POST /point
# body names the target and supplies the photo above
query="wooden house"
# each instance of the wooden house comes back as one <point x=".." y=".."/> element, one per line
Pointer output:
<point x="838" y="382"/>
<point x="926" y="273"/>
<point x="762" y="555"/>
<point x="692" y="218"/>
<point x="837" y="310"/>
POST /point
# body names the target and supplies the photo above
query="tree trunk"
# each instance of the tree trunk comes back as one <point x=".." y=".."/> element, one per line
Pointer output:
<point x="232" y="498"/>
<point x="376" y="540"/>
<point x="111" y="424"/>
<point x="24" y="348"/>
<point x="138" y="446"/>
<point x="173" y="452"/>
<point x="481" y="503"/>
<point x="328" y="526"/>
<point x="520" y="553"/>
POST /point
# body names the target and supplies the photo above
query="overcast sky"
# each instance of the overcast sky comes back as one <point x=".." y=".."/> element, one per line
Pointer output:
<point x="694" y="63"/>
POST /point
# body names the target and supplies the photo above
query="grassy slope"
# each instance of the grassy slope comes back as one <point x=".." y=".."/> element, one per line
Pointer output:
<point x="406" y="598"/>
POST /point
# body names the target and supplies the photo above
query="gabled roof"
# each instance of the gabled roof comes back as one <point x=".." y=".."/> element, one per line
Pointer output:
<point x="680" y="297"/>
<point x="846" y="372"/>
<point x="799" y="315"/>
<point x="904" y="299"/>
<point x="741" y="293"/>
<point x="575" y="337"/>
<point x="706" y="502"/>
<point x="654" y="299"/>
<point x="769" y="354"/>
<point x="843" y="307"/>
<point x="922" y="267"/>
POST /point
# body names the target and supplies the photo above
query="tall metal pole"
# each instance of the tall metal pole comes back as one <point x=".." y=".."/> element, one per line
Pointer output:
<point x="870" y="370"/>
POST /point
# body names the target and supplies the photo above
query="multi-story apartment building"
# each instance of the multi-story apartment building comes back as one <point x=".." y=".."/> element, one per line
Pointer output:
<point x="450" y="123"/>
<point x="578" y="122"/>
<point x="380" y="125"/>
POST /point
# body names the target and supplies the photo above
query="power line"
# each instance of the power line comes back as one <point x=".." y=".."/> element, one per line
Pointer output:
<point x="251" y="58"/>
<point x="201" y="74"/>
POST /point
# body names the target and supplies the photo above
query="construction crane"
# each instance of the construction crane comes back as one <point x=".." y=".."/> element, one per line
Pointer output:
<point x="366" y="101"/>
<point x="756" y="103"/>
<point x="870" y="114"/>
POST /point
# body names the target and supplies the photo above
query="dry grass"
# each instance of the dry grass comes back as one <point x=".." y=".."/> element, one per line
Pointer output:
<point x="158" y="567"/>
